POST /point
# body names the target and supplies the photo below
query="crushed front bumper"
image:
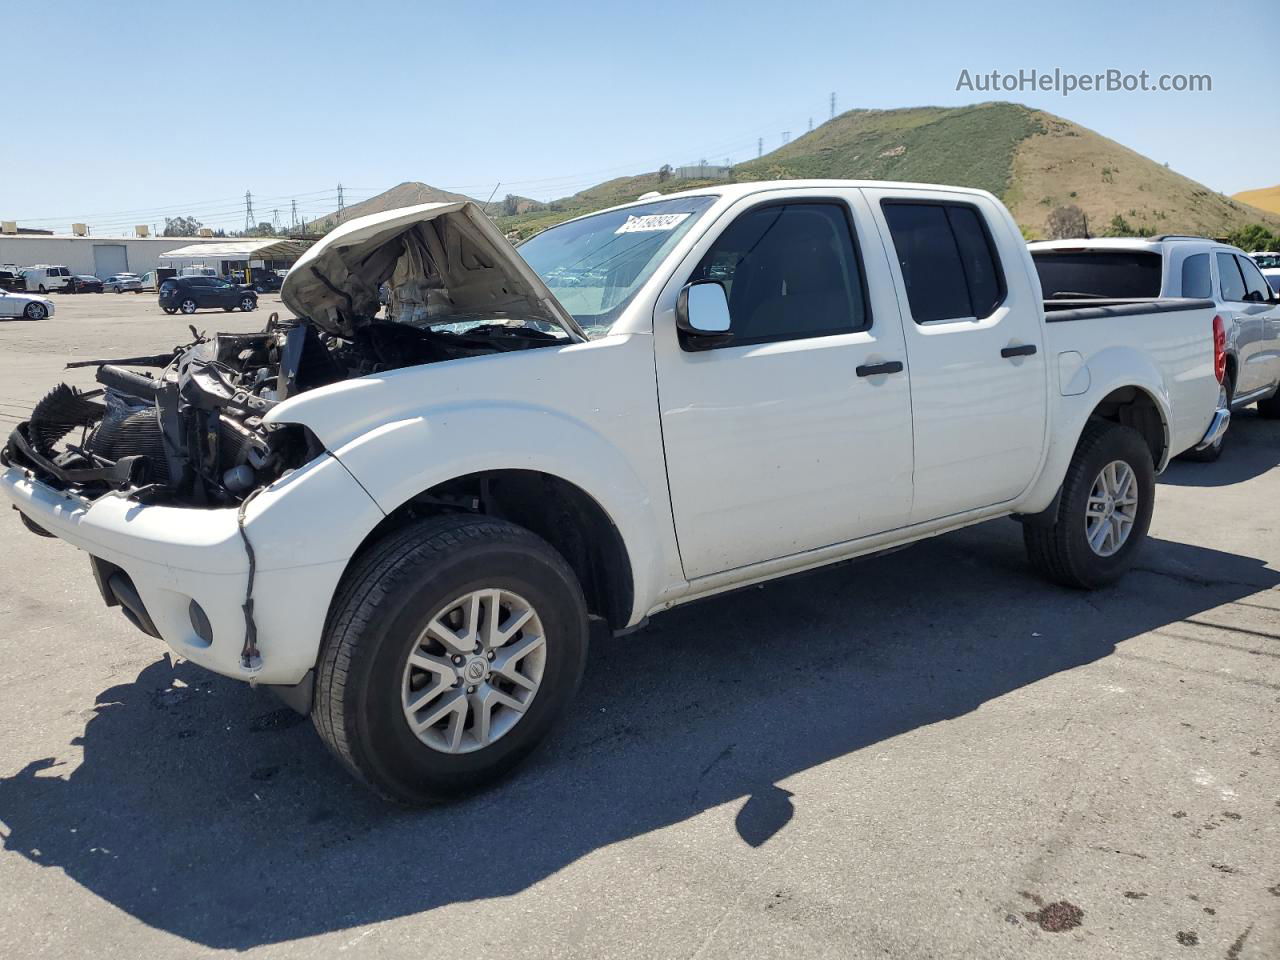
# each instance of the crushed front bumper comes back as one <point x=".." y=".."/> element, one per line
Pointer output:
<point x="303" y="528"/>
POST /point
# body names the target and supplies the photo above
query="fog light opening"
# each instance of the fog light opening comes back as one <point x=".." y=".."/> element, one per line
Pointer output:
<point x="200" y="623"/>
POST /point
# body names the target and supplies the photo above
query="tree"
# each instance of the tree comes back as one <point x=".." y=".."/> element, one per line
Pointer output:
<point x="510" y="205"/>
<point x="181" y="227"/>
<point x="664" y="173"/>
<point x="1253" y="237"/>
<point x="1067" y="222"/>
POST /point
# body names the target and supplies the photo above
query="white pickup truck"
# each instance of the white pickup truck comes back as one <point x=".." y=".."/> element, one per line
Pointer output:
<point x="402" y="521"/>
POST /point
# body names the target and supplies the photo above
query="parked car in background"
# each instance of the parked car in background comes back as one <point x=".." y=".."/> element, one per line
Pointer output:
<point x="265" y="281"/>
<point x="1266" y="259"/>
<point x="43" y="277"/>
<point x="1115" y="270"/>
<point x="152" y="279"/>
<point x="1272" y="276"/>
<point x="27" y="305"/>
<point x="122" y="282"/>
<point x="189" y="294"/>
<point x="11" y="279"/>
<point x="84" y="283"/>
<point x="426" y="512"/>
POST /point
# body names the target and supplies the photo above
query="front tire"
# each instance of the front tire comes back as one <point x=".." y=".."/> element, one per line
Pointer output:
<point x="248" y="303"/>
<point x="1103" y="513"/>
<point x="450" y="650"/>
<point x="188" y="306"/>
<point x="35" y="311"/>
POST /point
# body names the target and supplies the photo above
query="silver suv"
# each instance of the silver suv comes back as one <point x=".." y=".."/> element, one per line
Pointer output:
<point x="1123" y="269"/>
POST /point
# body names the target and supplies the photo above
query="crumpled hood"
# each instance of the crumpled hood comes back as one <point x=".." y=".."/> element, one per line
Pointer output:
<point x="448" y="251"/>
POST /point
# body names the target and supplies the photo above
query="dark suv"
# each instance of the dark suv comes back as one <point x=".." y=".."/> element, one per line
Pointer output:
<point x="190" y="294"/>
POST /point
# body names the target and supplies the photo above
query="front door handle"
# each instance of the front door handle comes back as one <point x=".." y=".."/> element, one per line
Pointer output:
<point x="874" y="369"/>
<point x="1026" y="350"/>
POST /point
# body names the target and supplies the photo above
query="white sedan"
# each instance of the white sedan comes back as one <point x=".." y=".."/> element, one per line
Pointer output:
<point x="26" y="305"/>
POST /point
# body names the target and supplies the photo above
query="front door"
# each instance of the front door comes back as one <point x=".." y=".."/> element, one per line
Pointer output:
<point x="974" y="340"/>
<point x="796" y="433"/>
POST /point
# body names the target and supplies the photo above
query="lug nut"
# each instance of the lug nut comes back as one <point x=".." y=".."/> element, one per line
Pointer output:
<point x="491" y="654"/>
<point x="471" y="689"/>
<point x="457" y="658"/>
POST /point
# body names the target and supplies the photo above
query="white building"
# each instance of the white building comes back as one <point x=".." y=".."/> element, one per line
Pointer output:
<point x="104" y="256"/>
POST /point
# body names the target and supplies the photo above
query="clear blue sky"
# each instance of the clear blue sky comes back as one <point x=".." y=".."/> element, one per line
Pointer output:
<point x="179" y="108"/>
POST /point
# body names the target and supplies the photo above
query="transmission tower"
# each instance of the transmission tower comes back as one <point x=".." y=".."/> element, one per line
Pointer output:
<point x="293" y="214"/>
<point x="341" y="206"/>
<point x="275" y="220"/>
<point x="786" y="137"/>
<point x="811" y="124"/>
<point x="833" y="105"/>
<point x="249" y="222"/>
<point x="759" y="147"/>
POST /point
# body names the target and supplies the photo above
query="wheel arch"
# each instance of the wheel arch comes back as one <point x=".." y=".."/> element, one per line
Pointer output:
<point x="557" y="510"/>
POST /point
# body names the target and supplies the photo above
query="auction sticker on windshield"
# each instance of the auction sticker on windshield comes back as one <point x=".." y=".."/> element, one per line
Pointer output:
<point x="653" y="223"/>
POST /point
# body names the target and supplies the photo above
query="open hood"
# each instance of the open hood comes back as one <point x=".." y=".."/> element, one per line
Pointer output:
<point x="440" y="260"/>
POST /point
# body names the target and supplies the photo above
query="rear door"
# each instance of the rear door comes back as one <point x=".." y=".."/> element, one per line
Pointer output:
<point x="1264" y="318"/>
<point x="974" y="341"/>
<point x="796" y="433"/>
<point x="1246" y="320"/>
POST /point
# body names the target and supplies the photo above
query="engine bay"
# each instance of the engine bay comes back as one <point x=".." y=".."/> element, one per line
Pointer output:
<point x="187" y="427"/>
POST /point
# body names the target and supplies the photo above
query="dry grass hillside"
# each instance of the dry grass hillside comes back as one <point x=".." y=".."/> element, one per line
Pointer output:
<point x="1268" y="198"/>
<point x="1065" y="163"/>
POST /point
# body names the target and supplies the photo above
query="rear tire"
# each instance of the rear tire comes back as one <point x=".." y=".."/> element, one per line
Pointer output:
<point x="188" y="306"/>
<point x="1270" y="408"/>
<point x="248" y="303"/>
<point x="426" y="574"/>
<point x="170" y="310"/>
<point x="1060" y="548"/>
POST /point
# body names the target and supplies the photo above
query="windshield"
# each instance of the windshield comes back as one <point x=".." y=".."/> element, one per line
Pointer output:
<point x="595" y="265"/>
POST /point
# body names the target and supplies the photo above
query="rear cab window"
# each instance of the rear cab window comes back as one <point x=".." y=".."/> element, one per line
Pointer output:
<point x="1099" y="274"/>
<point x="948" y="260"/>
<point x="790" y="270"/>
<point x="1196" y="281"/>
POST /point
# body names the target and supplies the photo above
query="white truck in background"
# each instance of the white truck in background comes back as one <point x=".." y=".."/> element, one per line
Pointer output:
<point x="403" y="521"/>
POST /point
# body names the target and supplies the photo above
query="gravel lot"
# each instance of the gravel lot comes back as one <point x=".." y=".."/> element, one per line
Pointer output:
<point x="932" y="754"/>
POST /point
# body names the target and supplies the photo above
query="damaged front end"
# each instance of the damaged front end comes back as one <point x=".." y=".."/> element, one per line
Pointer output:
<point x="188" y="430"/>
<point x="188" y="427"/>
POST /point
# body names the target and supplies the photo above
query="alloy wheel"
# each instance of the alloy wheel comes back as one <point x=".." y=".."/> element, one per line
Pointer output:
<point x="1112" y="508"/>
<point x="473" y="671"/>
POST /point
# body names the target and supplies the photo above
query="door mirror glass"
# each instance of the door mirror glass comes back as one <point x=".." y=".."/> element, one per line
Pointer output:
<point x="706" y="307"/>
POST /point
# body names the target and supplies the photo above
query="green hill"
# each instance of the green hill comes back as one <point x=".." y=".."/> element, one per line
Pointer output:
<point x="1035" y="161"/>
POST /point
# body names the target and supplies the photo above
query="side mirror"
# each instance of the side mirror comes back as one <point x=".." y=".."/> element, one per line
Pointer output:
<point x="702" y="315"/>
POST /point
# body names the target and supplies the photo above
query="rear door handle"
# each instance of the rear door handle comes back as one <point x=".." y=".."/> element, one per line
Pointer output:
<point x="1026" y="350"/>
<point x="875" y="369"/>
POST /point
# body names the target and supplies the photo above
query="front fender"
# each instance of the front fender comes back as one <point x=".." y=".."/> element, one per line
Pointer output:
<point x="586" y="414"/>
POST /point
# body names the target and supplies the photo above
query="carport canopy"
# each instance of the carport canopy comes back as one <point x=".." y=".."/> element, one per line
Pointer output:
<point x="247" y="248"/>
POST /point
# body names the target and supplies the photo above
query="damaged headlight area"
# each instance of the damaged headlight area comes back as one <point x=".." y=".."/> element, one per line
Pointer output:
<point x="187" y="427"/>
<point x="187" y="430"/>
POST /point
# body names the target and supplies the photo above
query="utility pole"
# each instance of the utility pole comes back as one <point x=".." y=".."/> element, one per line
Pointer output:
<point x="759" y="147"/>
<point x="833" y="104"/>
<point x="249" y="223"/>
<point x="341" y="206"/>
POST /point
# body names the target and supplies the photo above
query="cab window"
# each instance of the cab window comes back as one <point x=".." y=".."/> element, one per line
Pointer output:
<point x="1229" y="280"/>
<point x="790" y="271"/>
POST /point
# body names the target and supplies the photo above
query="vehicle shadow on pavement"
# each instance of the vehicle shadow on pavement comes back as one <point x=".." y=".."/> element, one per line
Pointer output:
<point x="1252" y="448"/>
<point x="205" y="810"/>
